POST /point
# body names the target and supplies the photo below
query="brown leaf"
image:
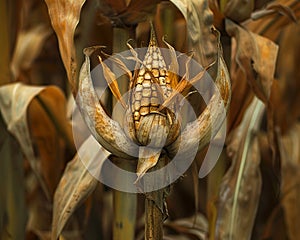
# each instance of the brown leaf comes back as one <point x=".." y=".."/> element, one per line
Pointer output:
<point x="64" y="17"/>
<point x="50" y="133"/>
<point x="256" y="56"/>
<point x="274" y="8"/>
<point x="77" y="183"/>
<point x="270" y="26"/>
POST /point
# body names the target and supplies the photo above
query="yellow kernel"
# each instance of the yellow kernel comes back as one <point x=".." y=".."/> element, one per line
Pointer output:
<point x="144" y="111"/>
<point x="155" y="72"/>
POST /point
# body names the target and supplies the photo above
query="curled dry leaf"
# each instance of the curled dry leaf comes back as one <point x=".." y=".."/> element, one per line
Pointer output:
<point x="271" y="25"/>
<point x="64" y="17"/>
<point x="274" y="8"/>
<point x="14" y="101"/>
<point x="240" y="188"/>
<point x="290" y="188"/>
<point x="28" y="46"/>
<point x="77" y="183"/>
<point x="256" y="56"/>
<point x="199" y="20"/>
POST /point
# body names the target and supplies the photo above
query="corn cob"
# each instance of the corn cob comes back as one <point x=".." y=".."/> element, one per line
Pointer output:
<point x="150" y="87"/>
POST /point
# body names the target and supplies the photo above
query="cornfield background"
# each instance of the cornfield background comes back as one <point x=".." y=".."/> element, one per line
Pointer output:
<point x="253" y="192"/>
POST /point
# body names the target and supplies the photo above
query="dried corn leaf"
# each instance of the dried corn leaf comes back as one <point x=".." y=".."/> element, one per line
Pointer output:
<point x="271" y="25"/>
<point x="290" y="172"/>
<point x="77" y="183"/>
<point x="241" y="96"/>
<point x="241" y="185"/>
<point x="256" y="56"/>
<point x="14" y="101"/>
<point x="274" y="8"/>
<point x="199" y="20"/>
<point x="64" y="17"/>
<point x="28" y="46"/>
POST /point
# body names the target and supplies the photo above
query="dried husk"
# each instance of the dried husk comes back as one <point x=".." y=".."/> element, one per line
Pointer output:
<point x="107" y="131"/>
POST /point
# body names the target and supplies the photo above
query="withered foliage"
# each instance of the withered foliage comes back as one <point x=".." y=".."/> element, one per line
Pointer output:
<point x="48" y="51"/>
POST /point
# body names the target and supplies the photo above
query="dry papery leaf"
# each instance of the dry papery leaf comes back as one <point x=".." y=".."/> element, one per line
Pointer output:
<point x="14" y="101"/>
<point x="199" y="20"/>
<point x="283" y="13"/>
<point x="28" y="120"/>
<point x="290" y="188"/>
<point x="241" y="95"/>
<point x="256" y="56"/>
<point x="64" y="15"/>
<point x="241" y="185"/>
<point x="77" y="183"/>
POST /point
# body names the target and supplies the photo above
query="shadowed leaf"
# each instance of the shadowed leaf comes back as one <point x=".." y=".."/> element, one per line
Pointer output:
<point x="77" y="183"/>
<point x="28" y="46"/>
<point x="290" y="170"/>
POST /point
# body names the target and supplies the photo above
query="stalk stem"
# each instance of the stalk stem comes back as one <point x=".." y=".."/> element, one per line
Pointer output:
<point x="124" y="204"/>
<point x="155" y="212"/>
<point x="124" y="207"/>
